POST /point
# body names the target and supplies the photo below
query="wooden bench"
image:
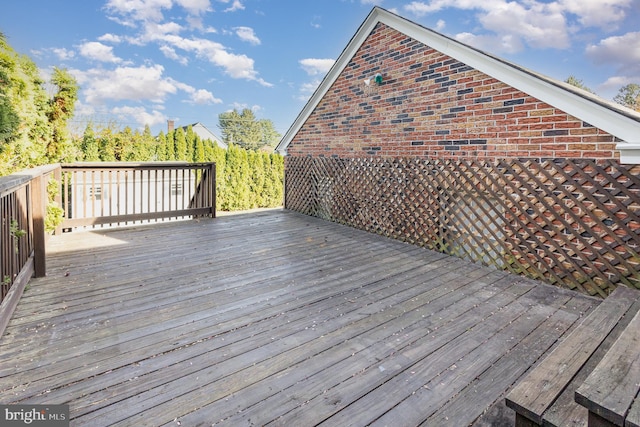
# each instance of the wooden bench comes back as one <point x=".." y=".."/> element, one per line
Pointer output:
<point x="547" y="393"/>
<point x="610" y="393"/>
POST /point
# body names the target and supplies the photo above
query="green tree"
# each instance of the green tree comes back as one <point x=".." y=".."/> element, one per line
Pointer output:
<point x="89" y="145"/>
<point x="189" y="137"/>
<point x="243" y="129"/>
<point x="180" y="142"/>
<point x="237" y="179"/>
<point x="574" y="81"/>
<point x="108" y="145"/>
<point x="25" y="104"/>
<point x="629" y="96"/>
<point x="136" y="146"/>
<point x="271" y="136"/>
<point x="171" y="147"/>
<point x="198" y="150"/>
<point x="273" y="191"/>
<point x="9" y="120"/>
<point x="61" y="110"/>
<point x="161" y="147"/>
<point x="257" y="178"/>
<point x="214" y="153"/>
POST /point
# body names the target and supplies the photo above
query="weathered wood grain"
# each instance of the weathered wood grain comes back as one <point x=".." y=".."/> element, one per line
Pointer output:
<point x="612" y="387"/>
<point x="542" y="386"/>
<point x="270" y="317"/>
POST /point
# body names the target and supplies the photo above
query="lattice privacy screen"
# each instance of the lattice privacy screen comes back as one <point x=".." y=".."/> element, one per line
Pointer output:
<point x="570" y="223"/>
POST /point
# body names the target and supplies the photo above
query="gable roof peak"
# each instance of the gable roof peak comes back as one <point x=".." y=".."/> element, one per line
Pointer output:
<point x="615" y="119"/>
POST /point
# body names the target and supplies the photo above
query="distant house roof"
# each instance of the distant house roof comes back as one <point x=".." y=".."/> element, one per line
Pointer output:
<point x="617" y="120"/>
<point x="204" y="133"/>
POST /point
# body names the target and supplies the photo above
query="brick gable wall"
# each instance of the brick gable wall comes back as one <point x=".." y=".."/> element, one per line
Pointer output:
<point x="432" y="106"/>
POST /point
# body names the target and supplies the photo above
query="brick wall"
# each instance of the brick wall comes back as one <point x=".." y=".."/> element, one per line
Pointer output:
<point x="432" y="106"/>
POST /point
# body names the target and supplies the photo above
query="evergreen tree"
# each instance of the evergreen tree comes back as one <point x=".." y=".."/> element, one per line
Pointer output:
<point x="198" y="151"/>
<point x="241" y="129"/>
<point x="237" y="186"/>
<point x="171" y="148"/>
<point x="629" y="96"/>
<point x="108" y="146"/>
<point x="61" y="110"/>
<point x="257" y="179"/>
<point x="161" y="147"/>
<point x="25" y="103"/>
<point x="216" y="154"/>
<point x="9" y="120"/>
<point x="271" y="137"/>
<point x="190" y="140"/>
<point x="89" y="145"/>
<point x="574" y="81"/>
<point x="180" y="142"/>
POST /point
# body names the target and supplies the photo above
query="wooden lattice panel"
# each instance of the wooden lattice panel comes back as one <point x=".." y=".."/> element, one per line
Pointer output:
<point x="572" y="223"/>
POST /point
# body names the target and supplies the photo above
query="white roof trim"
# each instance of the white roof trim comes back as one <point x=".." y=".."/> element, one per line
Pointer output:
<point x="617" y="120"/>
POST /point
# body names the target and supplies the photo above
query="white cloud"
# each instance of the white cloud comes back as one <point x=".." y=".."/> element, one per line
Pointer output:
<point x="204" y="97"/>
<point x="236" y="66"/>
<point x="145" y="83"/>
<point x="139" y="84"/>
<point x="421" y="8"/>
<point x="617" y="49"/>
<point x="597" y="13"/>
<point x="541" y="25"/>
<point x="149" y="14"/>
<point x="235" y="5"/>
<point x="140" y="115"/>
<point x="247" y="34"/>
<point x="154" y="31"/>
<point x="440" y="25"/>
<point x="98" y="52"/>
<point x="505" y="43"/>
<point x="127" y="12"/>
<point x="195" y="7"/>
<point x="170" y="53"/>
<point x="315" y="22"/>
<point x="307" y="89"/>
<point x="314" y="66"/>
<point x="139" y="10"/>
<point x="110" y="38"/>
<point x="623" y="52"/>
<point x="63" y="54"/>
<point x="241" y="106"/>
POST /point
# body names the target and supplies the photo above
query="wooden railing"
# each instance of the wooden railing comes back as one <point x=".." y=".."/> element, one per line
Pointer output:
<point x="91" y="195"/>
<point x="23" y="201"/>
<point x="123" y="193"/>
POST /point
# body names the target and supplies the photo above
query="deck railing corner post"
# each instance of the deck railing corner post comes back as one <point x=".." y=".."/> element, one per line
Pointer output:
<point x="212" y="174"/>
<point x="39" y="204"/>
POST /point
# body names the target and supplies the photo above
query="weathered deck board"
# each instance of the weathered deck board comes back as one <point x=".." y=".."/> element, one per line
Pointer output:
<point x="272" y="318"/>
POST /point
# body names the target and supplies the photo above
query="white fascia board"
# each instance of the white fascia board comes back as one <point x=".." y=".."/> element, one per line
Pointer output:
<point x="629" y="153"/>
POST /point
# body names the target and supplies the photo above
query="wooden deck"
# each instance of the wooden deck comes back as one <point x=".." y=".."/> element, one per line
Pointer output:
<point x="274" y="318"/>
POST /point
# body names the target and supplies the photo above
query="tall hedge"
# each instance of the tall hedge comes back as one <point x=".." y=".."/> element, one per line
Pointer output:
<point x="247" y="179"/>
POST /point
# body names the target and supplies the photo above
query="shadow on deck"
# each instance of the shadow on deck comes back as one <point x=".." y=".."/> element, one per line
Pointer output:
<point x="274" y="318"/>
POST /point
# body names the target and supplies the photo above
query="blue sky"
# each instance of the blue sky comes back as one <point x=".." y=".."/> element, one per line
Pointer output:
<point x="148" y="61"/>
